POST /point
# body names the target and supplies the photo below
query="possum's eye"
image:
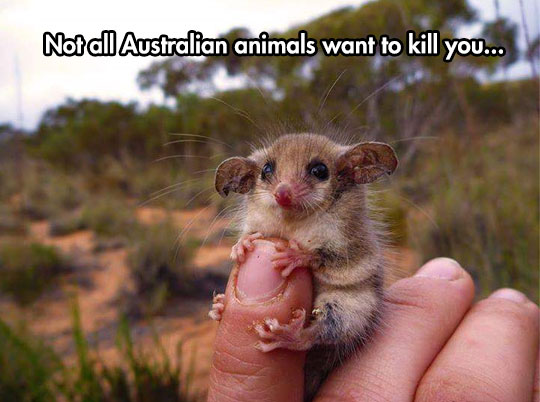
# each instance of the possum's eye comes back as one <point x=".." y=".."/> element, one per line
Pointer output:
<point x="267" y="170"/>
<point x="319" y="170"/>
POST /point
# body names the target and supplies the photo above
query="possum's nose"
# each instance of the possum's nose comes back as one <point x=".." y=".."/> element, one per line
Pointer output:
<point x="283" y="195"/>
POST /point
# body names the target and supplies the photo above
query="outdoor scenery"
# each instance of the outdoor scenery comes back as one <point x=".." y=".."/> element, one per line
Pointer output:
<point x="112" y="238"/>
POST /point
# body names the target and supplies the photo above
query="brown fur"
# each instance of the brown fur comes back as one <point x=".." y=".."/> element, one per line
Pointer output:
<point x="334" y="223"/>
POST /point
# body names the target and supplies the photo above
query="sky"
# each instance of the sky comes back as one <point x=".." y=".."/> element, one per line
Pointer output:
<point x="36" y="82"/>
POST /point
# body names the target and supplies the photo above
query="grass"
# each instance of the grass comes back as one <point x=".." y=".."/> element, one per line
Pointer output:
<point x="154" y="378"/>
<point x="28" y="269"/>
<point x="32" y="371"/>
<point x="27" y="367"/>
<point x="159" y="268"/>
<point x="482" y="196"/>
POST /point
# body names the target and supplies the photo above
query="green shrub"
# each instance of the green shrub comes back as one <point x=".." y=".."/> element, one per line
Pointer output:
<point x="108" y="217"/>
<point x="483" y="199"/>
<point x="11" y="223"/>
<point x="47" y="193"/>
<point x="34" y="197"/>
<point x="64" y="192"/>
<point x="8" y="182"/>
<point x="158" y="268"/>
<point x="66" y="224"/>
<point x="26" y="270"/>
<point x="152" y="178"/>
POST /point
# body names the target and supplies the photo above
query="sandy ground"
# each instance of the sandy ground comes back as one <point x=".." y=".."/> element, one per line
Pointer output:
<point x="103" y="276"/>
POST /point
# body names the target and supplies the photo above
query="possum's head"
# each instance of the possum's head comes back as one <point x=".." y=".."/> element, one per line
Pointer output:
<point x="303" y="173"/>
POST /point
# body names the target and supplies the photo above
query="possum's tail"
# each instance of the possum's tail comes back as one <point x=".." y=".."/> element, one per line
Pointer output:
<point x="320" y="361"/>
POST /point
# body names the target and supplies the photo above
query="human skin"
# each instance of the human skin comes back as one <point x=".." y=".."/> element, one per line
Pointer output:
<point x="434" y="344"/>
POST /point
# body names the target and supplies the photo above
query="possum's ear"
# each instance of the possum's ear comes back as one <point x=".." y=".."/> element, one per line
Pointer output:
<point x="237" y="175"/>
<point x="366" y="162"/>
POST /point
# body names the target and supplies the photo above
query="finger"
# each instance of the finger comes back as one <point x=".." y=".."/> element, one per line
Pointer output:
<point x="491" y="356"/>
<point x="421" y="314"/>
<point x="239" y="371"/>
<point x="536" y="386"/>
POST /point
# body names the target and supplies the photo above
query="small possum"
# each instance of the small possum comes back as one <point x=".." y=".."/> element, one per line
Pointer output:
<point x="310" y="191"/>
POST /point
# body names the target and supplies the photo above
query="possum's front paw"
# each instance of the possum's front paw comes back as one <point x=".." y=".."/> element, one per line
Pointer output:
<point x="288" y="259"/>
<point x="243" y="245"/>
<point x="217" y="307"/>
<point x="292" y="336"/>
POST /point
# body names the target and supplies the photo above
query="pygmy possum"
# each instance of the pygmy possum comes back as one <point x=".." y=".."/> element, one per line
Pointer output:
<point x="311" y="191"/>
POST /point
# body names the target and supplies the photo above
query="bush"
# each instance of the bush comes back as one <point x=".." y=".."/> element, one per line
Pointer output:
<point x="66" y="224"/>
<point x="8" y="183"/>
<point x="483" y="197"/>
<point x="151" y="178"/>
<point x="10" y="222"/>
<point x="47" y="193"/>
<point x="108" y="217"/>
<point x="26" y="270"/>
<point x="159" y="269"/>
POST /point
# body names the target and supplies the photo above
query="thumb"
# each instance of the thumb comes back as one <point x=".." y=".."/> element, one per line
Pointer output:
<point x="255" y="291"/>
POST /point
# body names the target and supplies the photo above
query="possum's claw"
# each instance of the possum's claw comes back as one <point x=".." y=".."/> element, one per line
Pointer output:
<point x="288" y="259"/>
<point x="217" y="307"/>
<point x="244" y="244"/>
<point x="292" y="336"/>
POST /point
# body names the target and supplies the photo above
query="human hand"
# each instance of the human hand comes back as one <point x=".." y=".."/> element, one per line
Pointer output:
<point x="432" y="345"/>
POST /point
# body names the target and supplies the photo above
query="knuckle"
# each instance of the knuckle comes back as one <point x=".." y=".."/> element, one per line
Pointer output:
<point x="418" y="295"/>
<point x="406" y="297"/>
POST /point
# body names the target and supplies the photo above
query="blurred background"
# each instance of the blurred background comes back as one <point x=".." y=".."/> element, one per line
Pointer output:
<point x="112" y="238"/>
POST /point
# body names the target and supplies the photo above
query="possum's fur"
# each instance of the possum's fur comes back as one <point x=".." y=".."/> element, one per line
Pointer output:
<point x="336" y="224"/>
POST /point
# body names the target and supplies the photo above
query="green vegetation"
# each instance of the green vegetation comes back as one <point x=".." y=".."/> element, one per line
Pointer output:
<point x="27" y="367"/>
<point x="108" y="217"/>
<point x="47" y="192"/>
<point x="66" y="224"/>
<point x="10" y="222"/>
<point x="467" y="186"/>
<point x="31" y="371"/>
<point x="388" y="208"/>
<point x="160" y="267"/>
<point x="26" y="270"/>
<point x="483" y="199"/>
